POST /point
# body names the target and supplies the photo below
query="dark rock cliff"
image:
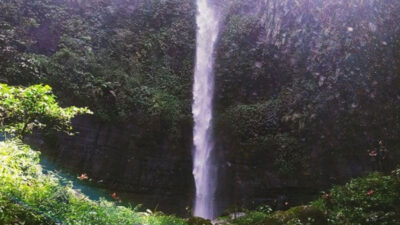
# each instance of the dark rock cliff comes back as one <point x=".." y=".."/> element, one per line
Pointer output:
<point x="161" y="178"/>
<point x="252" y="179"/>
<point x="109" y="154"/>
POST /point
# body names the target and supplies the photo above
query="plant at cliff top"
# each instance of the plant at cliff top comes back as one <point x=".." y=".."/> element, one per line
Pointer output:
<point x="371" y="200"/>
<point x="23" y="109"/>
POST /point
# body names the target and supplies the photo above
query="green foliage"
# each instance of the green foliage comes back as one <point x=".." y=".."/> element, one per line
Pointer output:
<point x="254" y="217"/>
<point x="291" y="82"/>
<point x="198" y="221"/>
<point x="24" y="109"/>
<point x="101" y="51"/>
<point x="282" y="67"/>
<point x="27" y="196"/>
<point x="128" y="61"/>
<point x="371" y="200"/>
<point x="250" y="122"/>
<point x="286" y="75"/>
<point x="258" y="128"/>
<point x="301" y="215"/>
<point x="374" y="199"/>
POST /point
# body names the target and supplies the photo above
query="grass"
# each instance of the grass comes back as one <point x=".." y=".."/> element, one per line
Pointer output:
<point x="370" y="200"/>
<point x="30" y="197"/>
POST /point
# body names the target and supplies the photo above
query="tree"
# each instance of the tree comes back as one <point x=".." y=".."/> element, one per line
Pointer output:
<point x="23" y="109"/>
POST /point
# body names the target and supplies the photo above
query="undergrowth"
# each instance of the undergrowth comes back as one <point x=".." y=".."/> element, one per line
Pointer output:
<point x="370" y="200"/>
<point x="30" y="197"/>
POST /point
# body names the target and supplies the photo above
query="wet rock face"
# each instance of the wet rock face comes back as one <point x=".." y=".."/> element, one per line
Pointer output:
<point x="159" y="176"/>
<point x="111" y="156"/>
<point x="250" y="183"/>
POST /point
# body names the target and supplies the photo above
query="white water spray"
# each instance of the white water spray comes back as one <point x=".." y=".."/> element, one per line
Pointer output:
<point x="204" y="169"/>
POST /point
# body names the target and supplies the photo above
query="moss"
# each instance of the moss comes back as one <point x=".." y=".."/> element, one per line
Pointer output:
<point x="254" y="218"/>
<point x="306" y="214"/>
<point x="374" y="199"/>
<point x="29" y="196"/>
<point x="309" y="215"/>
<point x="198" y="221"/>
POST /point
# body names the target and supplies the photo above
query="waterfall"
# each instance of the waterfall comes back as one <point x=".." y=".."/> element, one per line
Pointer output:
<point x="204" y="168"/>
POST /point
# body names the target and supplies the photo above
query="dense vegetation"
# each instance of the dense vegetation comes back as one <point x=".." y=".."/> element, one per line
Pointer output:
<point x="300" y="86"/>
<point x="28" y="196"/>
<point x="305" y="81"/>
<point x="125" y="60"/>
<point x="371" y="200"/>
<point x="309" y="77"/>
<point x="24" y="109"/>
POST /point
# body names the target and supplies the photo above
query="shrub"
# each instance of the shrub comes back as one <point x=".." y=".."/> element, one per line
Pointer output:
<point x="23" y="109"/>
<point x="27" y="196"/>
<point x="256" y="218"/>
<point x="301" y="215"/>
<point x="198" y="221"/>
<point x="370" y="200"/>
<point x="309" y="215"/>
<point x="374" y="199"/>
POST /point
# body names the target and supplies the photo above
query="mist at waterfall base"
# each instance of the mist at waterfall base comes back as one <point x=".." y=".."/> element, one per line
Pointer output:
<point x="204" y="168"/>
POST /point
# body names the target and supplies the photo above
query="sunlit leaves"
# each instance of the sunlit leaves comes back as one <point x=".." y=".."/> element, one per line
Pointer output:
<point x="23" y="109"/>
<point x="29" y="196"/>
<point x="370" y="200"/>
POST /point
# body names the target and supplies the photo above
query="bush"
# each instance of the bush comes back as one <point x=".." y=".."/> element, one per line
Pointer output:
<point x="198" y="221"/>
<point x="309" y="215"/>
<point x="371" y="200"/>
<point x="255" y="217"/>
<point x="301" y="215"/>
<point x="374" y="199"/>
<point x="27" y="196"/>
<point x="23" y="109"/>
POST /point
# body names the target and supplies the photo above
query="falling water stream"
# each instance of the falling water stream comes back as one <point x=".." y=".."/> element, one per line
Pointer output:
<point x="204" y="168"/>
